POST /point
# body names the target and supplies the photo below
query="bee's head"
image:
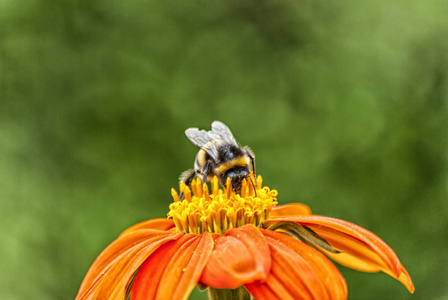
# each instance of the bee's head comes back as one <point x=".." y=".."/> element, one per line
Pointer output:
<point x="236" y="176"/>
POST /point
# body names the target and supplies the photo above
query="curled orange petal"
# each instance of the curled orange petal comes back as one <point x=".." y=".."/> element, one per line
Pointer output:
<point x="362" y="249"/>
<point x="240" y="256"/>
<point x="326" y="271"/>
<point x="291" y="277"/>
<point x="115" y="266"/>
<point x="158" y="224"/>
<point x="185" y="268"/>
<point x="290" y="210"/>
<point x="147" y="280"/>
<point x="173" y="270"/>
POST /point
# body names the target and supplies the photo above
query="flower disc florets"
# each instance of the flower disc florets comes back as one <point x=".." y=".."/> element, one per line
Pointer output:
<point x="223" y="209"/>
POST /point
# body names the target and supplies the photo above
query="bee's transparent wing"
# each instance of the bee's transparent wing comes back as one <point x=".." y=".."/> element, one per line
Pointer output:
<point x="204" y="140"/>
<point x="198" y="137"/>
<point x="221" y="130"/>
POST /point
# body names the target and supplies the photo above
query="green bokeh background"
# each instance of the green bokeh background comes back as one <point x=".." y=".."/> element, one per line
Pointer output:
<point x="343" y="103"/>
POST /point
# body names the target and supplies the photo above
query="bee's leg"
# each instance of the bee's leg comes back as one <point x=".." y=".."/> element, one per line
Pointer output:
<point x="186" y="178"/>
<point x="206" y="172"/>
<point x="255" y="188"/>
<point x="252" y="160"/>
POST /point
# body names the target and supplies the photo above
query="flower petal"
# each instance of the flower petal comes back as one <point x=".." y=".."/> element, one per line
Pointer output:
<point x="240" y="256"/>
<point x="362" y="250"/>
<point x="173" y="270"/>
<point x="291" y="277"/>
<point x="193" y="270"/>
<point x="122" y="257"/>
<point x="290" y="210"/>
<point x="158" y="224"/>
<point x="118" y="249"/>
<point x="151" y="271"/>
<point x="326" y="271"/>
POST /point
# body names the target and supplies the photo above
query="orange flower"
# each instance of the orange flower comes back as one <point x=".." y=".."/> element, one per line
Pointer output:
<point x="234" y="245"/>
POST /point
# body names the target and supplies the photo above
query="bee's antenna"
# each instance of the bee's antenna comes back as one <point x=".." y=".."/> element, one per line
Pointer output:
<point x="255" y="188"/>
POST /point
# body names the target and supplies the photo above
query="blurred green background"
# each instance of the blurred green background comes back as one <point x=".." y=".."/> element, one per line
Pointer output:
<point x="343" y="103"/>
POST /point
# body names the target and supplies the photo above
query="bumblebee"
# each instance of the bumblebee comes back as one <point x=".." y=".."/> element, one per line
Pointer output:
<point x="219" y="155"/>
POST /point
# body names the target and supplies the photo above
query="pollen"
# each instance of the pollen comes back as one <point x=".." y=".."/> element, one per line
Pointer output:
<point x="222" y="209"/>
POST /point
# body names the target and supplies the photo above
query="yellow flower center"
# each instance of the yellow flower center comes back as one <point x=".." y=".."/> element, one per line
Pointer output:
<point x="223" y="209"/>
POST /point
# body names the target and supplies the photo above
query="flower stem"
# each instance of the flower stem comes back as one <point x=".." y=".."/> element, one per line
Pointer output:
<point x="227" y="294"/>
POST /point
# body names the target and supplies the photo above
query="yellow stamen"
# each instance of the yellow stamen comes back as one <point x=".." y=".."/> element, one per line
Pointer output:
<point x="223" y="209"/>
<point x="259" y="182"/>
<point x="215" y="186"/>
<point x="175" y="195"/>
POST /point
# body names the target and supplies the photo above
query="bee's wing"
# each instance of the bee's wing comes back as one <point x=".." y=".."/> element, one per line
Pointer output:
<point x="204" y="140"/>
<point x="220" y="129"/>
<point x="198" y="137"/>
